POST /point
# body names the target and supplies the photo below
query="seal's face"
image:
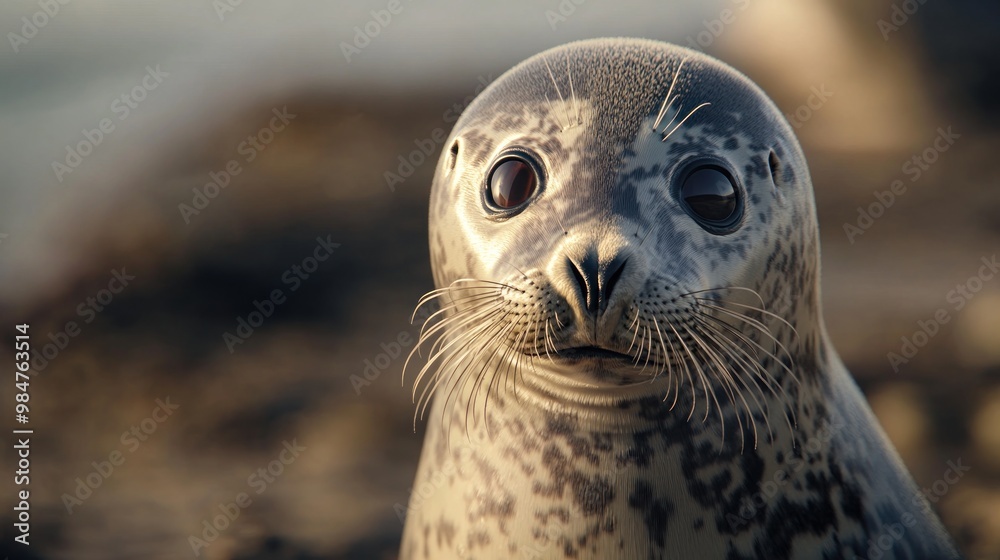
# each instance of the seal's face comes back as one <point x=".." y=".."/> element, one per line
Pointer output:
<point x="603" y="215"/>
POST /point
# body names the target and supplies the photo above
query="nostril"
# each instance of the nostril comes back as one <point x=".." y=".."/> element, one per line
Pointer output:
<point x="581" y="280"/>
<point x="596" y="282"/>
<point x="616" y="273"/>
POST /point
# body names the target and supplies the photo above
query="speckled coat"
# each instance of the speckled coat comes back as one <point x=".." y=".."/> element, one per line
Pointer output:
<point x="733" y="432"/>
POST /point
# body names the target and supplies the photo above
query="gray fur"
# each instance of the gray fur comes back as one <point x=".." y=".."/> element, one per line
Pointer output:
<point x="761" y="447"/>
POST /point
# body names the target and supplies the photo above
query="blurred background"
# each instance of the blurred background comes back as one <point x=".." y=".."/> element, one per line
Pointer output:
<point x="166" y="166"/>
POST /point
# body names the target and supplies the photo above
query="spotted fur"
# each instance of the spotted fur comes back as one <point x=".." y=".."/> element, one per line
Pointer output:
<point x="735" y="432"/>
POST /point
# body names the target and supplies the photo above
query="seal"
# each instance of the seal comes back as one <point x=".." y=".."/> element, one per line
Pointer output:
<point x="627" y="356"/>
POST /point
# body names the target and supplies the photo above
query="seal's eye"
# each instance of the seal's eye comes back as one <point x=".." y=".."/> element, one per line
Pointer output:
<point x="511" y="183"/>
<point x="711" y="196"/>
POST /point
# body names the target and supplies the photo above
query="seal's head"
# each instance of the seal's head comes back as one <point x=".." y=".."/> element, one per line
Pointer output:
<point x="614" y="212"/>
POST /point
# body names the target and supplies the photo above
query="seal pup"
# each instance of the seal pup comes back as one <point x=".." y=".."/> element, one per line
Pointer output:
<point x="629" y="359"/>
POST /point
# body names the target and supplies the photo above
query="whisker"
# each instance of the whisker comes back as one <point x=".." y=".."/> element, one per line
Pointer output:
<point x="722" y="371"/>
<point x="720" y="339"/>
<point x="559" y="93"/>
<point x="439" y="376"/>
<point x="440" y="326"/>
<point x="728" y="289"/>
<point x="662" y="350"/>
<point x="667" y="357"/>
<point x="755" y="345"/>
<point x="434" y="319"/>
<point x="758" y="371"/>
<point x="536" y="328"/>
<point x="763" y="375"/>
<point x="744" y="356"/>
<point x="635" y="323"/>
<point x="763" y="330"/>
<point x="496" y="339"/>
<point x="518" y="342"/>
<point x="693" y="111"/>
<point x="459" y="283"/>
<point x="547" y="342"/>
<point x="638" y="349"/>
<point x="548" y="206"/>
<point x="763" y="311"/>
<point x="569" y="74"/>
<point x="482" y="315"/>
<point x="687" y="371"/>
<point x="646" y="334"/>
<point x="666" y="105"/>
<point x="733" y="351"/>
<point x="488" y="283"/>
<point x="644" y="238"/>
<point x="462" y="376"/>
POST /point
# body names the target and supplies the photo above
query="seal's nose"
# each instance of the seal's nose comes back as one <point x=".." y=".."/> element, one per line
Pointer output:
<point x="595" y="281"/>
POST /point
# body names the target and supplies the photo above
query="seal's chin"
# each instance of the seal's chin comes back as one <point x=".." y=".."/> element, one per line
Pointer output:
<point x="597" y="366"/>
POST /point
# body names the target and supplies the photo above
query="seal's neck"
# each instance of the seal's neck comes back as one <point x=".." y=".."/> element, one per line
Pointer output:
<point x="562" y="463"/>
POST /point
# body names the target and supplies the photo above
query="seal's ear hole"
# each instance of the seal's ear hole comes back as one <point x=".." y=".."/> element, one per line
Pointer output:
<point x="452" y="157"/>
<point x="774" y="165"/>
